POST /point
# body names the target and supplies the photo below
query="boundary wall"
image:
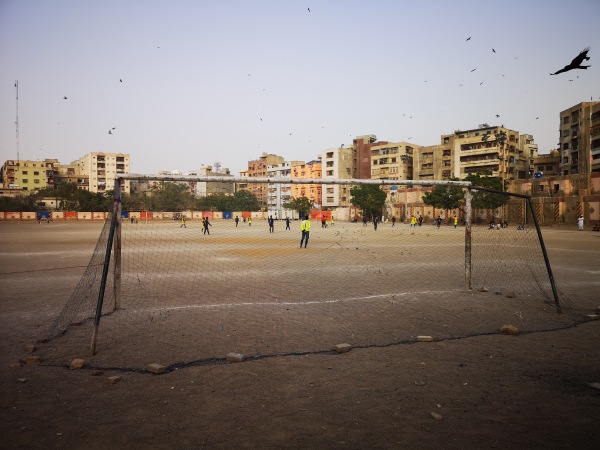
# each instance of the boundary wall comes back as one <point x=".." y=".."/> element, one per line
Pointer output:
<point x="548" y="211"/>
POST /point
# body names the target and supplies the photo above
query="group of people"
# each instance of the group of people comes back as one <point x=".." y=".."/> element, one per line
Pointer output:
<point x="205" y="224"/>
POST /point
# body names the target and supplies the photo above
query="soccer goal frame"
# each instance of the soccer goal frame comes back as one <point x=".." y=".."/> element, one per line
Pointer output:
<point x="113" y="245"/>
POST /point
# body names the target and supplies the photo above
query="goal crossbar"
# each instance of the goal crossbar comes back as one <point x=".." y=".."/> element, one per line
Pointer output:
<point x="280" y="180"/>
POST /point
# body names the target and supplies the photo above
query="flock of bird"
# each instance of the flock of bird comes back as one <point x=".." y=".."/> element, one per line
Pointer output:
<point x="576" y="63"/>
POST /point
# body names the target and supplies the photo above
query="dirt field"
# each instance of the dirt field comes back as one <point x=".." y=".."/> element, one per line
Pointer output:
<point x="486" y="391"/>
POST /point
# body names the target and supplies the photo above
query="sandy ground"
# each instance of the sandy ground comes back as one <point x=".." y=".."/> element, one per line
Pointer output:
<point x="485" y="390"/>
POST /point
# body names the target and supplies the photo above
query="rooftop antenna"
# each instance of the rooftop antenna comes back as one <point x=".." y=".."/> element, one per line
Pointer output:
<point x="17" y="121"/>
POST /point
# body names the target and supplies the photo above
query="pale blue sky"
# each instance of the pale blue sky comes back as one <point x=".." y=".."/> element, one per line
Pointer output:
<point x="198" y="76"/>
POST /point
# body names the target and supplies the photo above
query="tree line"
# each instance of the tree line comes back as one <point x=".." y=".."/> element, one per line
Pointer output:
<point x="165" y="196"/>
<point x="169" y="196"/>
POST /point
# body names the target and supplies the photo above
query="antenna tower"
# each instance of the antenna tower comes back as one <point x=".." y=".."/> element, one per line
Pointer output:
<point x="17" y="121"/>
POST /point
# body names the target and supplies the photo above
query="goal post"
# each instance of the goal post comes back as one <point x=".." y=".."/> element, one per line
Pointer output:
<point x="251" y="289"/>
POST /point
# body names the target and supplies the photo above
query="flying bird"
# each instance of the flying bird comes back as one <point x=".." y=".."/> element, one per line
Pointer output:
<point x="480" y="83"/>
<point x="474" y="69"/>
<point x="536" y="118"/>
<point x="308" y="9"/>
<point x="120" y="80"/>
<point x="576" y="62"/>
<point x="469" y="38"/>
<point x="109" y="131"/>
<point x="497" y="115"/>
<point x="64" y="98"/>
<point x="493" y="50"/>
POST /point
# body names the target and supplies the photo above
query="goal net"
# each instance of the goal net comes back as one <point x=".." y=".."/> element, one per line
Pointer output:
<point x="176" y="296"/>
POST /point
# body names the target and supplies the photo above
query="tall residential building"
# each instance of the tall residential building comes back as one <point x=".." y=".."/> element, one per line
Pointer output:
<point x="595" y="138"/>
<point x="392" y="161"/>
<point x="488" y="149"/>
<point x="28" y="176"/>
<point x="311" y="170"/>
<point x="258" y="169"/>
<point x="361" y="156"/>
<point x="280" y="193"/>
<point x="336" y="164"/>
<point x="102" y="169"/>
<point x="576" y="131"/>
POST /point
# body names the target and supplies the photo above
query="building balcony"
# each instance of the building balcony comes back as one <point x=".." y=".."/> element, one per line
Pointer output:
<point x="481" y="162"/>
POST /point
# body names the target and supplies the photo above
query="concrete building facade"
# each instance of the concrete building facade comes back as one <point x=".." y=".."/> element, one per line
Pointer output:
<point x="311" y="170"/>
<point x="102" y="169"/>
<point x="28" y="176"/>
<point x="336" y="163"/>
<point x="258" y="168"/>
<point x="575" y="136"/>
<point x="280" y="193"/>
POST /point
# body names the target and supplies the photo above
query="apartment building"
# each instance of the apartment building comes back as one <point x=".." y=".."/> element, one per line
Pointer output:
<point x="310" y="170"/>
<point x="64" y="174"/>
<point x="548" y="164"/>
<point x="102" y="169"/>
<point x="576" y="136"/>
<point x="488" y="149"/>
<point x="280" y="193"/>
<point x="434" y="162"/>
<point x="392" y="161"/>
<point x="28" y="176"/>
<point x="595" y="138"/>
<point x="205" y="188"/>
<point x="336" y="164"/>
<point x="258" y="169"/>
<point x="361" y="155"/>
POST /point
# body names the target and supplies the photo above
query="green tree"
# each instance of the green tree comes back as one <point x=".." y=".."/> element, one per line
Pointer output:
<point x="487" y="200"/>
<point x="170" y="196"/>
<point x="368" y="197"/>
<point x="243" y="200"/>
<point x="301" y="204"/>
<point x="445" y="197"/>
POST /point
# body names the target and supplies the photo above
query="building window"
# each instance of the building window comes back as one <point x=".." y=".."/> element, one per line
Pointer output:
<point x="25" y="172"/>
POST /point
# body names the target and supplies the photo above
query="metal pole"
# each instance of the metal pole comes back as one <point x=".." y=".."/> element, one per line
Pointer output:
<point x="546" y="260"/>
<point x="468" y="213"/>
<point x="113" y="225"/>
<point x="117" y="245"/>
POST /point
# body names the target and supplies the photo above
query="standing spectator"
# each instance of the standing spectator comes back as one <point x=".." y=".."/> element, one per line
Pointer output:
<point x="182" y="222"/>
<point x="305" y="228"/>
<point x="455" y="221"/>
<point x="249" y="221"/>
<point x="271" y="224"/>
<point x="237" y="220"/>
<point x="420" y="220"/>
<point x="413" y="221"/>
<point x="580" y="222"/>
<point x="287" y="223"/>
<point x="206" y="224"/>
<point x="375" y="222"/>
<point x="323" y="222"/>
<point x="332" y="221"/>
<point x="439" y="221"/>
<point x="393" y="221"/>
<point x="364" y="221"/>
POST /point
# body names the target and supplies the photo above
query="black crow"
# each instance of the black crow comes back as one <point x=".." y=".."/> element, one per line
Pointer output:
<point x="494" y="50"/>
<point x="64" y="98"/>
<point x="576" y="63"/>
<point x="497" y="115"/>
<point x="469" y="38"/>
<point x="474" y="69"/>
